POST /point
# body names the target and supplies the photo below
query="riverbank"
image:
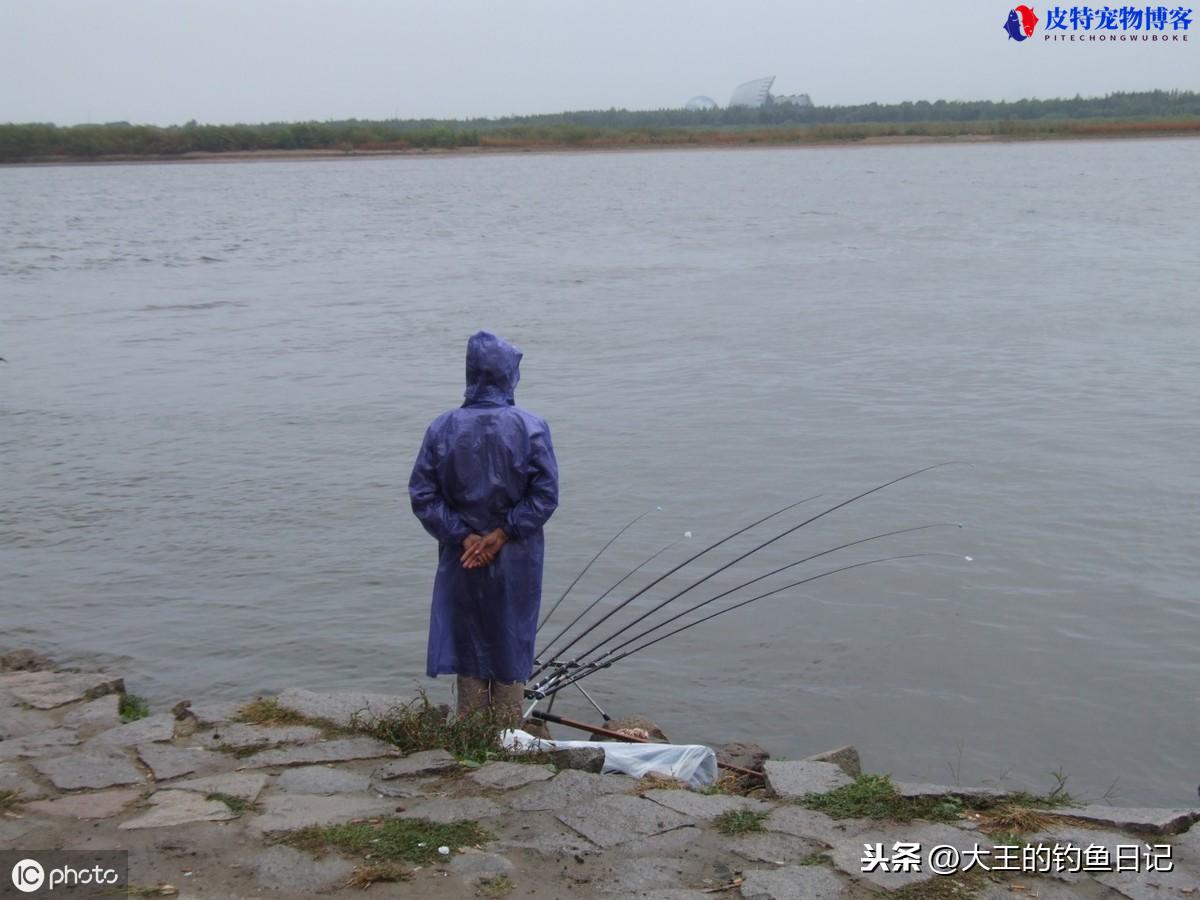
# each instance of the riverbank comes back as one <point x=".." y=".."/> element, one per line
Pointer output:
<point x="816" y="136"/>
<point x="297" y="796"/>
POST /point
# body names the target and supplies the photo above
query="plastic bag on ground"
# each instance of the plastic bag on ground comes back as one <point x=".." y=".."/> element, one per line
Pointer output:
<point x="693" y="764"/>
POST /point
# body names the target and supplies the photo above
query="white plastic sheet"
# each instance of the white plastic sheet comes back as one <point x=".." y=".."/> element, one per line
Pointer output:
<point x="694" y="764"/>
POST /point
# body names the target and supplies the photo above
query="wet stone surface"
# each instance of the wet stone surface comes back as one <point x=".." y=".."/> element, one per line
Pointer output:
<point x="705" y="806"/>
<point x="795" y="780"/>
<point x="427" y="762"/>
<point x="179" y="808"/>
<point x="505" y="776"/>
<point x="566" y="788"/>
<point x="793" y="883"/>
<point x="617" y="818"/>
<point x="328" y="751"/>
<point x="322" y="780"/>
<point x="90" y="769"/>
<point x="287" y="812"/>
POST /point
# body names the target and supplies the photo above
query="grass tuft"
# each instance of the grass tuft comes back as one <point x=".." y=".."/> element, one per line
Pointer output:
<point x="420" y="725"/>
<point x="8" y="801"/>
<point x="656" y="782"/>
<point x="389" y="840"/>
<point x="132" y="707"/>
<point x="875" y="797"/>
<point x="740" y="821"/>
<point x="237" y="805"/>
<point x="365" y="876"/>
<point x="959" y="886"/>
<point x="267" y="711"/>
<point x="495" y="888"/>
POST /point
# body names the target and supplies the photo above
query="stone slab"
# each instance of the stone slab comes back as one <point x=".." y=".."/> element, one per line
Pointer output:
<point x="240" y="736"/>
<point x="16" y="834"/>
<point x="288" y="812"/>
<point x="586" y="759"/>
<point x="668" y="843"/>
<point x="216" y="712"/>
<point x="12" y="778"/>
<point x="915" y="790"/>
<point x="1139" y="819"/>
<point x="92" y="769"/>
<point x="478" y="864"/>
<point x="16" y="722"/>
<point x="166" y="761"/>
<point x="848" y="854"/>
<point x="322" y="780"/>
<point x="296" y="874"/>
<point x="793" y="883"/>
<point x="444" y="810"/>
<point x="794" y="779"/>
<point x="566" y="788"/>
<point x="168" y="808"/>
<point x="551" y="845"/>
<point x="1180" y="884"/>
<point x="775" y="847"/>
<point x="50" y="690"/>
<point x="24" y="660"/>
<point x="400" y="787"/>
<point x="1036" y="889"/>
<point x="156" y="728"/>
<point x="635" y="877"/>
<point x="41" y="744"/>
<point x="845" y="758"/>
<point x="617" y="818"/>
<point x="98" y="805"/>
<point x="340" y="708"/>
<point x="426" y="762"/>
<point x="243" y="785"/>
<point x="705" y="806"/>
<point x="325" y="751"/>
<point x="808" y="823"/>
<point x="94" y="716"/>
<point x="1075" y="836"/>
<point x="504" y="776"/>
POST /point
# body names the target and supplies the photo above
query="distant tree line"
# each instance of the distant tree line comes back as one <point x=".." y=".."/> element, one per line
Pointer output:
<point x="121" y="139"/>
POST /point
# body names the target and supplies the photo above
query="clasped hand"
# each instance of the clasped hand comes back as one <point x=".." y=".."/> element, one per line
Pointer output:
<point x="481" y="549"/>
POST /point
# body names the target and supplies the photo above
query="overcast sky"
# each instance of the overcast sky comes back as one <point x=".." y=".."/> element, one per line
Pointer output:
<point x="168" y="61"/>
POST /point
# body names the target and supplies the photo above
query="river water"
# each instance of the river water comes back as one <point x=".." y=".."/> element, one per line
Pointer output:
<point x="218" y="376"/>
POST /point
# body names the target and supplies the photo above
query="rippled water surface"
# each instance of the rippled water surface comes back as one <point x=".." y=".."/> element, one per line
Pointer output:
<point x="218" y="376"/>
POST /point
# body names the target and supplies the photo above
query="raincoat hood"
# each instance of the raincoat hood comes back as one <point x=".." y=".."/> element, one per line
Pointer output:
<point x="493" y="369"/>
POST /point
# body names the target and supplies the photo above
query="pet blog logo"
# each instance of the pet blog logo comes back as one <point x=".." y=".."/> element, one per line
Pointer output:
<point x="1021" y="22"/>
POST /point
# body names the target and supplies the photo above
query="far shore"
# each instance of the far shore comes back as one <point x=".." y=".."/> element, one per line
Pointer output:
<point x="591" y="147"/>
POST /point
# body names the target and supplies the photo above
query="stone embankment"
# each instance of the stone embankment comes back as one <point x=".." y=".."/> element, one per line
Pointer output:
<point x="208" y="804"/>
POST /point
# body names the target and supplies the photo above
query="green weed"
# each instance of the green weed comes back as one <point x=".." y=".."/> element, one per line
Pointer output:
<point x="392" y="840"/>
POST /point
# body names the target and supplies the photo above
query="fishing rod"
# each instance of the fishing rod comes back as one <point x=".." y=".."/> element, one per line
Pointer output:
<point x="584" y="669"/>
<point x="755" y="580"/>
<point x="727" y="565"/>
<point x="592" y="605"/>
<point x="611" y="540"/>
<point x="542" y="667"/>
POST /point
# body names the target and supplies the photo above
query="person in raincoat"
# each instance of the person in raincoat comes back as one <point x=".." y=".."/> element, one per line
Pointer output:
<point x="484" y="484"/>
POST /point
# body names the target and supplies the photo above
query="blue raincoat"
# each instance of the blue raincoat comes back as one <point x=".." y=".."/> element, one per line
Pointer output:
<point x="488" y="464"/>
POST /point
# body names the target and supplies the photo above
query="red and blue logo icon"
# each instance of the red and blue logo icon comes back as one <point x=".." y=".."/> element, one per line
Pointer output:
<point x="1021" y="22"/>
